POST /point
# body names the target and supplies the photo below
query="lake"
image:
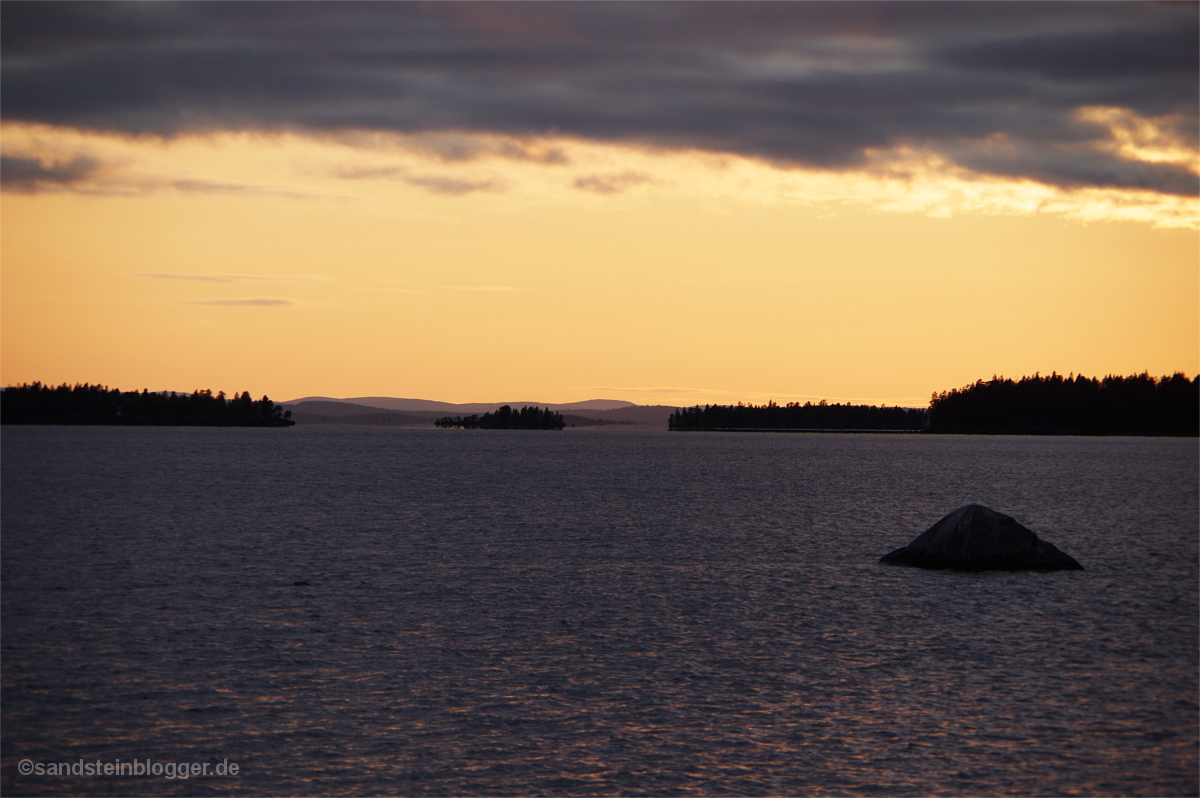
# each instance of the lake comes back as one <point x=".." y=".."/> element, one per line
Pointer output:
<point x="354" y="611"/>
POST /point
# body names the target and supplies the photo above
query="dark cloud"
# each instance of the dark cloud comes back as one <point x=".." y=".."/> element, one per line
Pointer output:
<point x="30" y="175"/>
<point x="814" y="83"/>
<point x="1087" y="169"/>
<point x="1088" y="55"/>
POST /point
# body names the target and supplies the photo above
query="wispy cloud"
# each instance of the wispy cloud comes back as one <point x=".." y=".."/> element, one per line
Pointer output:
<point x="393" y="290"/>
<point x="611" y="183"/>
<point x="251" y="302"/>
<point x="663" y="390"/>
<point x="452" y="185"/>
<point x="219" y="187"/>
<point x="202" y="278"/>
<point x="223" y="278"/>
<point x="437" y="184"/>
<point x="500" y="288"/>
<point x="451" y="146"/>
<point x="368" y="172"/>
<point x="80" y="173"/>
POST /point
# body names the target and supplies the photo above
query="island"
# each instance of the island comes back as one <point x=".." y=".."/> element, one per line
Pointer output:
<point x="796" y="417"/>
<point x="35" y="403"/>
<point x="507" y="418"/>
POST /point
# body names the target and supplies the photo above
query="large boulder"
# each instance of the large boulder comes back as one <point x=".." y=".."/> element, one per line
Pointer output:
<point x="976" y="538"/>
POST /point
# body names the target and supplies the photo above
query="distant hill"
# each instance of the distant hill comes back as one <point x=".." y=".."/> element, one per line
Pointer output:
<point x="328" y="412"/>
<point x="372" y="411"/>
<point x="329" y="408"/>
<point x="654" y="416"/>
<point x="408" y="405"/>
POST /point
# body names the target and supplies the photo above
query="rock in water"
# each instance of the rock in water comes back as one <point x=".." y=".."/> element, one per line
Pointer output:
<point x="976" y="538"/>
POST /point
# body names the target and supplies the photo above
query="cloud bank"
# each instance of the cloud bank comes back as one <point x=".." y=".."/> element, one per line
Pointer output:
<point x="1001" y="89"/>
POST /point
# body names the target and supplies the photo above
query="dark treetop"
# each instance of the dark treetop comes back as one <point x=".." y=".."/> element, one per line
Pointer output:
<point x="507" y="418"/>
<point x="1037" y="405"/>
<point x="96" y="404"/>
<point x="1057" y="405"/>
<point x="795" y="416"/>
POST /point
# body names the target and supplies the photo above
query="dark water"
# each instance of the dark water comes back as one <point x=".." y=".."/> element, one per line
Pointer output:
<point x="585" y="613"/>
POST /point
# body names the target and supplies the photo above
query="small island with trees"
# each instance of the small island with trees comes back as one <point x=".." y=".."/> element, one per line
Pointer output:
<point x="35" y="403"/>
<point x="507" y="418"/>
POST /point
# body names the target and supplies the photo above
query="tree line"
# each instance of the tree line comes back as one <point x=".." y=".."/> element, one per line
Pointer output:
<point x="507" y="418"/>
<point x="1071" y="405"/>
<point x="95" y="404"/>
<point x="1037" y="405"/>
<point x="796" y="416"/>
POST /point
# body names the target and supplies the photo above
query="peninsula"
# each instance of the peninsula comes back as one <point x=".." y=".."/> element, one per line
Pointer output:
<point x="1052" y="405"/>
<point x="1073" y="405"/>
<point x="85" y="404"/>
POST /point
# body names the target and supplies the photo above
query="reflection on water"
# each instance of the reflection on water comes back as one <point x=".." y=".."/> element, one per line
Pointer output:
<point x="591" y="613"/>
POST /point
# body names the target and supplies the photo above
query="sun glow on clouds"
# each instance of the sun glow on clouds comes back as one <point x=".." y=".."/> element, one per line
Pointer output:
<point x="789" y="201"/>
<point x="1138" y="139"/>
<point x="370" y="167"/>
<point x="595" y="264"/>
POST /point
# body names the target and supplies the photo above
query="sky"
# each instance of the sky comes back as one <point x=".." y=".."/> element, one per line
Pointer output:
<point x="665" y="203"/>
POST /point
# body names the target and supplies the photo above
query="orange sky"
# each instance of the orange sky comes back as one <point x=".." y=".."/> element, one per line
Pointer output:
<point x="666" y="203"/>
<point x="295" y="266"/>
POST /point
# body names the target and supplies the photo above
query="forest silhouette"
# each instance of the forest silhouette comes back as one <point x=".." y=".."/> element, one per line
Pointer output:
<point x="1053" y="405"/>
<point x="795" y="416"/>
<point x="1071" y="405"/>
<point x="35" y="403"/>
<point x="507" y="418"/>
<point x="1037" y="405"/>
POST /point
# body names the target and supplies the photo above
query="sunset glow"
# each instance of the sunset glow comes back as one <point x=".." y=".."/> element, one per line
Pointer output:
<point x="473" y="265"/>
